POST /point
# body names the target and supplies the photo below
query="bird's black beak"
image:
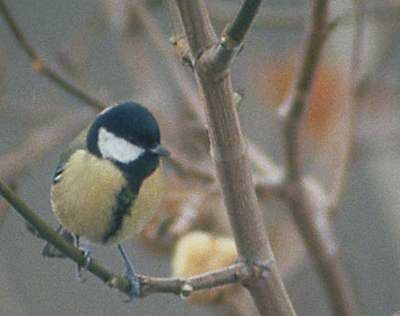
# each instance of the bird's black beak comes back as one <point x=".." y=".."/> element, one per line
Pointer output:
<point x="160" y="150"/>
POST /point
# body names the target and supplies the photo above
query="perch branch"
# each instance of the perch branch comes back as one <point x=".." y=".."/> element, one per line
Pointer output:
<point x="313" y="223"/>
<point x="37" y="144"/>
<point x="230" y="157"/>
<point x="237" y="272"/>
<point x="41" y="67"/>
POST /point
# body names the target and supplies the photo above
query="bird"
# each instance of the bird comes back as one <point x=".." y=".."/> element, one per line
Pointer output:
<point x="109" y="182"/>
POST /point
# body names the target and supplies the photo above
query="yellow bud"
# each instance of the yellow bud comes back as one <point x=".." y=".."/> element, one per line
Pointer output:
<point x="200" y="252"/>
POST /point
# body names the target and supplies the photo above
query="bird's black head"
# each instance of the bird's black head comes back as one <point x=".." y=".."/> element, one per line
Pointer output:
<point x="128" y="135"/>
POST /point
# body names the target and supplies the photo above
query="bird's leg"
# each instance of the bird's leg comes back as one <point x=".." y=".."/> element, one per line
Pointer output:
<point x="88" y="258"/>
<point x="131" y="274"/>
<point x="51" y="251"/>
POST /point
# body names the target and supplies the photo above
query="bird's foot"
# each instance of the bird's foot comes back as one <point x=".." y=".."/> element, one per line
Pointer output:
<point x="83" y="267"/>
<point x="131" y="275"/>
<point x="135" y="283"/>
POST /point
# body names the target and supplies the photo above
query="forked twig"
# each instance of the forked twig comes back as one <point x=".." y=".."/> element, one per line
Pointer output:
<point x="313" y="222"/>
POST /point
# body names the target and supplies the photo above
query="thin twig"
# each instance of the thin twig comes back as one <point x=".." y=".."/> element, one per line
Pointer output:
<point x="340" y="175"/>
<point x="237" y="272"/>
<point x="47" y="233"/>
<point x="44" y="69"/>
<point x="187" y="168"/>
<point x="263" y="165"/>
<point x="294" y="17"/>
<point x="234" y="33"/>
<point x="233" y="274"/>
<point x="237" y="30"/>
<point x="184" y="84"/>
<point x="293" y="108"/>
<point x="313" y="222"/>
<point x="230" y="157"/>
<point x="40" y="141"/>
<point x="4" y="206"/>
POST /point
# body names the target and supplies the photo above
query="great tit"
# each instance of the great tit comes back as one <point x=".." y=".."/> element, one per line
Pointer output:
<point x="108" y="184"/>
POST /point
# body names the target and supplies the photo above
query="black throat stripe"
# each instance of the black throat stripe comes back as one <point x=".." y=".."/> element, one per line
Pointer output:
<point x="124" y="201"/>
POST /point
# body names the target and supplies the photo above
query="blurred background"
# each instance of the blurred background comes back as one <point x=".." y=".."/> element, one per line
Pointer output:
<point x="112" y="51"/>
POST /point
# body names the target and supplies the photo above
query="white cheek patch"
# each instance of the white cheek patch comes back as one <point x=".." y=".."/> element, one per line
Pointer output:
<point x="117" y="148"/>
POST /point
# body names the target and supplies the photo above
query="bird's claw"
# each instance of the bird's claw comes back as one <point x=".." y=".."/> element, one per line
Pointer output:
<point x="87" y="260"/>
<point x="135" y="283"/>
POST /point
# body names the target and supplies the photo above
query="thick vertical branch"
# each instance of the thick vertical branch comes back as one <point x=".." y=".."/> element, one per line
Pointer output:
<point x="230" y="156"/>
<point x="313" y="222"/>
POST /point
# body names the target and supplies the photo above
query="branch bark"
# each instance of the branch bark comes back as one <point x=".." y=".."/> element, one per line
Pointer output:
<point x="39" y="66"/>
<point x="340" y="176"/>
<point x="230" y="156"/>
<point x="314" y="223"/>
<point x="180" y="286"/>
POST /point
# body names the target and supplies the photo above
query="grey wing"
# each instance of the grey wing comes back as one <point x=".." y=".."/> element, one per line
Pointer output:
<point x="78" y="143"/>
<point x="59" y="170"/>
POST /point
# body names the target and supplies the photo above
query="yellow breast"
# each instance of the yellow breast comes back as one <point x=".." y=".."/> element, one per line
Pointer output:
<point x="84" y="197"/>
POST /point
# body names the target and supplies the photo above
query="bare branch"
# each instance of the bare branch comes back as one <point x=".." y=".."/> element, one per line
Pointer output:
<point x="235" y="32"/>
<point x="293" y="17"/>
<point x="233" y="274"/>
<point x="270" y="182"/>
<point x="272" y="174"/>
<point x="185" y="86"/>
<point x="340" y="176"/>
<point x="313" y="222"/>
<point x="238" y="272"/>
<point x="230" y="157"/>
<point x="293" y="108"/>
<point x="317" y="231"/>
<point x="47" y="233"/>
<point x="187" y="168"/>
<point x="44" y="69"/>
<point x="41" y="141"/>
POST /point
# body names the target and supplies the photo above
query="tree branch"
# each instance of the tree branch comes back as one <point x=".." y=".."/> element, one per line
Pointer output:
<point x="40" y="141"/>
<point x="293" y="108"/>
<point x="47" y="233"/>
<point x="313" y="222"/>
<point x="236" y="31"/>
<point x="272" y="174"/>
<point x="340" y="176"/>
<point x="293" y="17"/>
<point x="237" y="272"/>
<point x="44" y="69"/>
<point x="230" y="157"/>
<point x="232" y="274"/>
